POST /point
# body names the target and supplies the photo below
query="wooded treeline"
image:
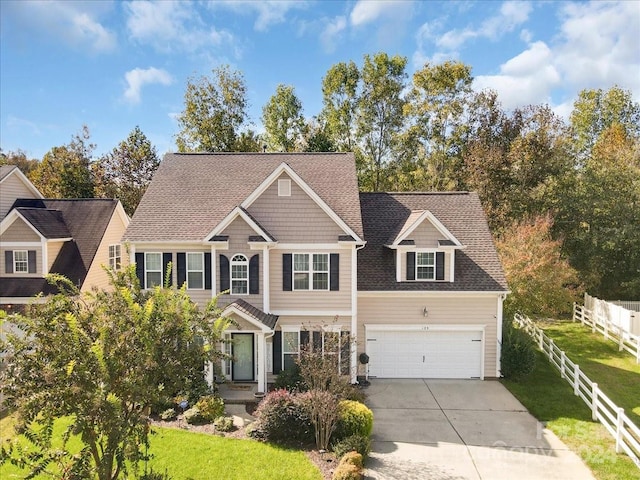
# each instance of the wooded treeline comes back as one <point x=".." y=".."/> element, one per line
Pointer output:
<point x="562" y="197"/>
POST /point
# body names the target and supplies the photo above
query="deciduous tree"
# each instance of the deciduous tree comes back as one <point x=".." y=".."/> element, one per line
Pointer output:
<point x="128" y="169"/>
<point x="283" y="120"/>
<point x="101" y="360"/>
<point x="215" y="109"/>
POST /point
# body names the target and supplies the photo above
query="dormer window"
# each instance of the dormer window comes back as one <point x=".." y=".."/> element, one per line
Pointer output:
<point x="239" y="275"/>
<point x="425" y="266"/>
<point x="20" y="261"/>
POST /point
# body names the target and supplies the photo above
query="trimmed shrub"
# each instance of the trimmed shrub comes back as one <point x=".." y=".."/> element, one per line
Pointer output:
<point x="211" y="407"/>
<point x="353" y="443"/>
<point x="194" y="417"/>
<point x="282" y="418"/>
<point x="355" y="419"/>
<point x="290" y="379"/>
<point x="347" y="471"/>
<point x="354" y="458"/>
<point x="168" y="415"/>
<point x="518" y="357"/>
<point x="224" y="424"/>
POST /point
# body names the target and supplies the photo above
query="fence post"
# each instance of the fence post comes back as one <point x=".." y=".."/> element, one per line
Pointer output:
<point x="575" y="311"/>
<point x="563" y="358"/>
<point x="551" y="345"/>
<point x="593" y="322"/>
<point x="594" y="401"/>
<point x="576" y="379"/>
<point x="619" y="430"/>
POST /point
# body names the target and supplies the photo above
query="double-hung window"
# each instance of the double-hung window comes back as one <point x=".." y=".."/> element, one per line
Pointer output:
<point x="20" y="261"/>
<point x="425" y="266"/>
<point x="311" y="271"/>
<point x="115" y="257"/>
<point x="195" y="270"/>
<point x="153" y="269"/>
<point x="290" y="348"/>
<point x="239" y="275"/>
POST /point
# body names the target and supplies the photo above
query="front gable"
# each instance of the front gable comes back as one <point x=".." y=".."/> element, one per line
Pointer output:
<point x="14" y="228"/>
<point x="293" y="212"/>
<point x="15" y="185"/>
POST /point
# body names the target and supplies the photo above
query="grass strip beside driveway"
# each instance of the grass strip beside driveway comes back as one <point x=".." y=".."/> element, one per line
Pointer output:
<point x="550" y="399"/>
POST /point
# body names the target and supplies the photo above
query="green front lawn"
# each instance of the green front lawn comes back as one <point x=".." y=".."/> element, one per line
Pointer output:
<point x="186" y="455"/>
<point x="616" y="373"/>
<point x="550" y="399"/>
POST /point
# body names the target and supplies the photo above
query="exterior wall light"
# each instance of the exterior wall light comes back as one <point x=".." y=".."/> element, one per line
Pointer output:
<point x="425" y="312"/>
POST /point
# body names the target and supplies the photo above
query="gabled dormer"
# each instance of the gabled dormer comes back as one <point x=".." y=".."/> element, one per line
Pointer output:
<point x="424" y="249"/>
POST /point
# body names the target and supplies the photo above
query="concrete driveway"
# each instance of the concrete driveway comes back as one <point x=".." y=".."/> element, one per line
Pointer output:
<point x="461" y="429"/>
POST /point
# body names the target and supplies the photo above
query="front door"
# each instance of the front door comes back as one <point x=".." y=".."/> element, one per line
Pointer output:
<point x="242" y="351"/>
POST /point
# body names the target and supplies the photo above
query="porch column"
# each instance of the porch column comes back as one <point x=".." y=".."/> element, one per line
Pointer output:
<point x="262" y="363"/>
<point x="208" y="373"/>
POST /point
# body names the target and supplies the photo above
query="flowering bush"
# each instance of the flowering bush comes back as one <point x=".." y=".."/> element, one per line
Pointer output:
<point x="282" y="418"/>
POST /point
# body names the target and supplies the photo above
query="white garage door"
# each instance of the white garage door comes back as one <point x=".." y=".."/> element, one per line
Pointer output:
<point x="425" y="354"/>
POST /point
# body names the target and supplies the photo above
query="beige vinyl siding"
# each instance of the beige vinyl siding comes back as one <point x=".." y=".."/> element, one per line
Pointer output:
<point x="402" y="258"/>
<point x="426" y="235"/>
<point x="11" y="189"/>
<point x="314" y="322"/>
<point x="19" y="231"/>
<point x="311" y="300"/>
<point x="294" y="219"/>
<point x="239" y="232"/>
<point x="53" y="248"/>
<point x="241" y="324"/>
<point x="96" y="276"/>
<point x="38" y="251"/>
<point x="445" y="310"/>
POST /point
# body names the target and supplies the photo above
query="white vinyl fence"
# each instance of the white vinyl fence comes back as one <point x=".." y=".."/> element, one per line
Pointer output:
<point x="625" y="432"/>
<point x="598" y="323"/>
<point x="620" y="315"/>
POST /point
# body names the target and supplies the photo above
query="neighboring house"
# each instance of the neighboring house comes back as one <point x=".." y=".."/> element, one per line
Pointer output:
<point x="38" y="236"/>
<point x="412" y="279"/>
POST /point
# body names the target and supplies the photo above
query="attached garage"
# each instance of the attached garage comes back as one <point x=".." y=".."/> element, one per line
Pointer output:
<point x="419" y="351"/>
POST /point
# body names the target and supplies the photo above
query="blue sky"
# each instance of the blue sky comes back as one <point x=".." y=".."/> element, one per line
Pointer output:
<point x="113" y="65"/>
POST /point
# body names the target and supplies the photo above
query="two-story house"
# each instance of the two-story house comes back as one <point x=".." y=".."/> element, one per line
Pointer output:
<point x="38" y="236"/>
<point x="413" y="280"/>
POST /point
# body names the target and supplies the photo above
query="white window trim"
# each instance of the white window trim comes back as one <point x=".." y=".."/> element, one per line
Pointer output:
<point x="188" y="271"/>
<point x="147" y="271"/>
<point x="25" y="261"/>
<point x="310" y="272"/>
<point x="418" y="252"/>
<point x="231" y="277"/>
<point x="115" y="262"/>
<point x="289" y="329"/>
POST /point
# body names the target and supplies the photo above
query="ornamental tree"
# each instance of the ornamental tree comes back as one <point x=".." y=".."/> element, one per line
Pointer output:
<point x="101" y="360"/>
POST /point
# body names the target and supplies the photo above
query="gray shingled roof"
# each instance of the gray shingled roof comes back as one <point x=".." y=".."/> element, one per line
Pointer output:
<point x="6" y="170"/>
<point x="267" y="319"/>
<point x="50" y="223"/>
<point x="86" y="221"/>
<point x="477" y="266"/>
<point x="192" y="192"/>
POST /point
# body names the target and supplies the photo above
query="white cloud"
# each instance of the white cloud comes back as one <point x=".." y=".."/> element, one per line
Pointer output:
<point x="366" y="11"/>
<point x="269" y="12"/>
<point x="74" y="23"/>
<point x="332" y="32"/>
<point x="172" y="26"/>
<point x="139" y="77"/>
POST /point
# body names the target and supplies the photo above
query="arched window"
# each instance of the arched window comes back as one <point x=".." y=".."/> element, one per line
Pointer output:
<point x="239" y="275"/>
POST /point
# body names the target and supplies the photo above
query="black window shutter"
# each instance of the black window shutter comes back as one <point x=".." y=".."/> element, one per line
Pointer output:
<point x="411" y="265"/>
<point x="207" y="271"/>
<point x="304" y="339"/>
<point x="287" y="267"/>
<point x="224" y="273"/>
<point x="8" y="261"/>
<point x="166" y="260"/>
<point x="277" y="352"/>
<point x="345" y="351"/>
<point x="439" y="265"/>
<point x="31" y="255"/>
<point x="181" y="260"/>
<point x="254" y="274"/>
<point x="140" y="268"/>
<point x="334" y="271"/>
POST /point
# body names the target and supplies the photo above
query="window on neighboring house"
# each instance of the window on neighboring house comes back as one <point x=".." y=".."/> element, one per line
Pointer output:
<point x="425" y="266"/>
<point x="115" y="257"/>
<point x="20" y="261"/>
<point x="153" y="269"/>
<point x="195" y="270"/>
<point x="311" y="271"/>
<point x="290" y="348"/>
<point x="239" y="275"/>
